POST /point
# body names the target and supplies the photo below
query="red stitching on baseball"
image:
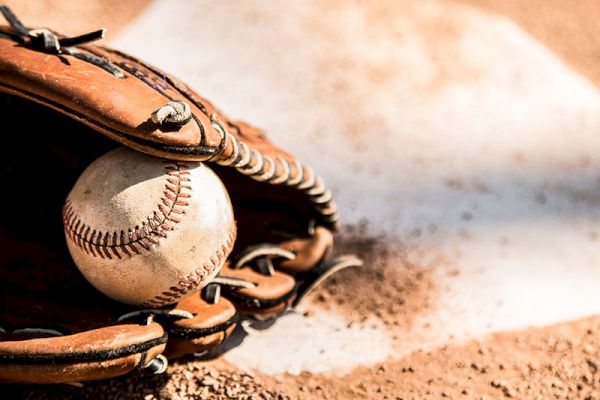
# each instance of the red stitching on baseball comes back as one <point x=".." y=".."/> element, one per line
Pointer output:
<point x="119" y="244"/>
<point x="191" y="281"/>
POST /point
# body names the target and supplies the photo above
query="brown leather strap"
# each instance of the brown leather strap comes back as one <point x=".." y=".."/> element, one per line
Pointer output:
<point x="94" y="354"/>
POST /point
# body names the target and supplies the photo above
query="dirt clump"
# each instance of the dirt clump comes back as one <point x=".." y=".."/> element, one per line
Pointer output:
<point x="394" y="285"/>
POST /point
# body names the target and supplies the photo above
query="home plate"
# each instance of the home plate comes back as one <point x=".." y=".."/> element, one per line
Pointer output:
<point x="437" y="125"/>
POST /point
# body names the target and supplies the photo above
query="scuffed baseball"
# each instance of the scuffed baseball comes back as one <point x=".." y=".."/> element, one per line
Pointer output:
<point x="147" y="231"/>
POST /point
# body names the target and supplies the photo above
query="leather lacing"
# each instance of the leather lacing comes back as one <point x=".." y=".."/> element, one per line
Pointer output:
<point x="277" y="171"/>
<point x="47" y="41"/>
<point x="260" y="258"/>
<point x="175" y="112"/>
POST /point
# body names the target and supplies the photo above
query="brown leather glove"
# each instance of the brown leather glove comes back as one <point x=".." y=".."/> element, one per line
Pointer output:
<point x="59" y="93"/>
<point x="54" y="326"/>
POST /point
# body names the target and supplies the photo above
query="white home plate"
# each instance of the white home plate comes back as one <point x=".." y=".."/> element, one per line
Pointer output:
<point x="439" y="125"/>
<point x="321" y="342"/>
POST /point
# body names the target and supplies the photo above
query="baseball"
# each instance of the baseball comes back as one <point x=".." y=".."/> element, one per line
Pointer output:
<point x="147" y="231"/>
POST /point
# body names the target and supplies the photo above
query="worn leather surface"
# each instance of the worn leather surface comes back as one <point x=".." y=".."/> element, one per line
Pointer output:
<point x="79" y="89"/>
<point x="76" y="371"/>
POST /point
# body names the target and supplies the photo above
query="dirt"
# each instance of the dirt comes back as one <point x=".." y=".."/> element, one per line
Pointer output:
<point x="189" y="379"/>
<point x="558" y="362"/>
<point x="395" y="284"/>
<point x="570" y="29"/>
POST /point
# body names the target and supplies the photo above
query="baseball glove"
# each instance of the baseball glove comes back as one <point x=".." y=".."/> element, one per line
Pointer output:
<point x="56" y="94"/>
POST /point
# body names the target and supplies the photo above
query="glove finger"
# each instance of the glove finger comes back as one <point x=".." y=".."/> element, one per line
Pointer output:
<point x="311" y="265"/>
<point x="210" y="323"/>
<point x="96" y="354"/>
<point x="267" y="297"/>
<point x="309" y="252"/>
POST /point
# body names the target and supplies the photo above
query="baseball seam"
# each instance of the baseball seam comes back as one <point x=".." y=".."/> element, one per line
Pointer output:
<point x="142" y="237"/>
<point x="199" y="275"/>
